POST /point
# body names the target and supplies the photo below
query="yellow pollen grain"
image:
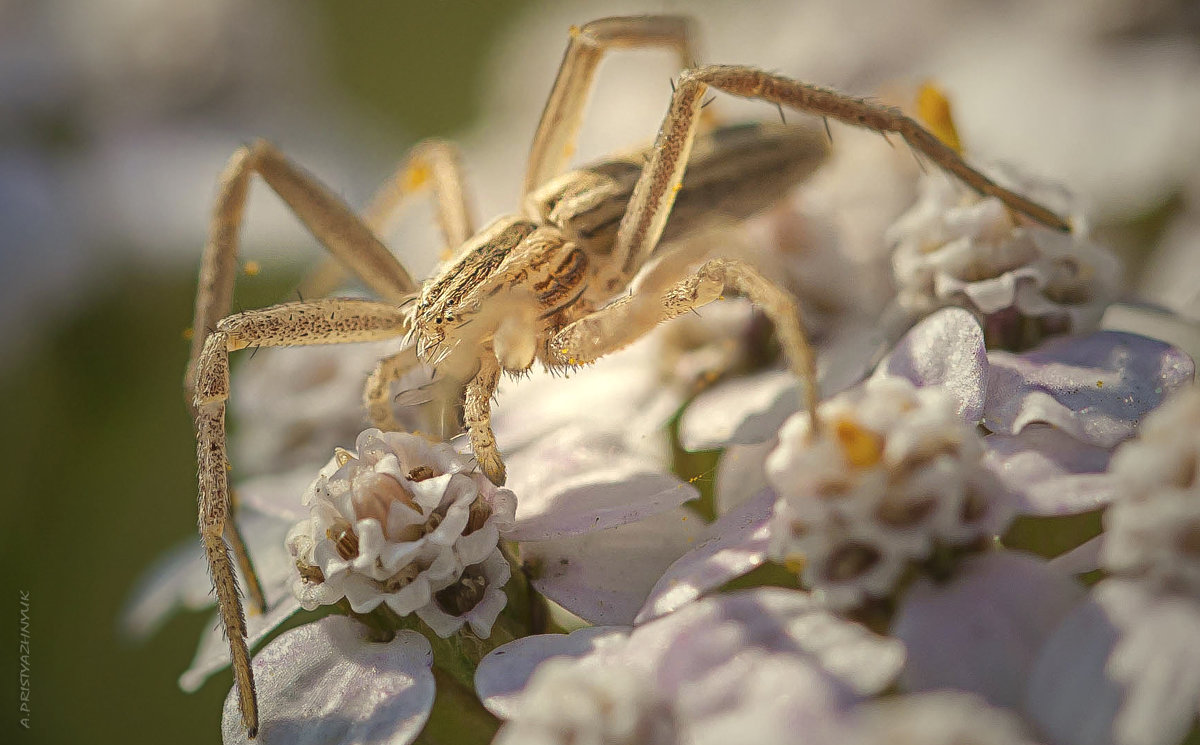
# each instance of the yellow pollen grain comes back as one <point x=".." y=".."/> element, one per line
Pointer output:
<point x="343" y="456"/>
<point x="933" y="108"/>
<point x="574" y="31"/>
<point x="188" y="333"/>
<point x="252" y="268"/>
<point x="862" y="447"/>
<point x="416" y="176"/>
<point x="677" y="187"/>
<point x="794" y="563"/>
<point x="1099" y="383"/>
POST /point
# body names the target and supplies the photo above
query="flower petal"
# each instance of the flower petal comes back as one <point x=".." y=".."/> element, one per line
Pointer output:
<point x="1048" y="472"/>
<point x="501" y="675"/>
<point x="740" y="411"/>
<point x="945" y="349"/>
<point x="579" y="481"/>
<point x="981" y="631"/>
<point x="697" y="638"/>
<point x="741" y="473"/>
<point x="212" y="655"/>
<point x="737" y="545"/>
<point x="1095" y="387"/>
<point x="604" y="576"/>
<point x="326" y="683"/>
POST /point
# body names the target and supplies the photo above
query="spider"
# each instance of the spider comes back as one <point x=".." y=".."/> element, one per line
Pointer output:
<point x="552" y="284"/>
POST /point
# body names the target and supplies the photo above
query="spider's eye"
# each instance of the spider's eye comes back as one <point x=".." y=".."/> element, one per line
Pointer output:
<point x="437" y="320"/>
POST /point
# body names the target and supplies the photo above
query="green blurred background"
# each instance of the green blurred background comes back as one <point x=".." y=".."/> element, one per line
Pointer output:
<point x="100" y="442"/>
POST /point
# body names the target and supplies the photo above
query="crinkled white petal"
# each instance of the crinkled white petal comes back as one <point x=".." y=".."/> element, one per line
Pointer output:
<point x="940" y="718"/>
<point x="982" y="630"/>
<point x="892" y="471"/>
<point x="572" y="701"/>
<point x="605" y="576"/>
<point x="1151" y="532"/>
<point x="494" y="571"/>
<point x="326" y="683"/>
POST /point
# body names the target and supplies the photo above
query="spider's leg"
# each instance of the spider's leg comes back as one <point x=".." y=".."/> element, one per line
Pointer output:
<point x="477" y="415"/>
<point x="432" y="164"/>
<point x="376" y="396"/>
<point x="333" y="223"/>
<point x="319" y="322"/>
<point x="554" y="141"/>
<point x="627" y="319"/>
<point x="255" y="597"/>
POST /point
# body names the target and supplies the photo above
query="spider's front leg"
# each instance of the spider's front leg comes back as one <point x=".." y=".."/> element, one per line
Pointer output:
<point x="629" y="318"/>
<point x="326" y="216"/>
<point x="320" y="322"/>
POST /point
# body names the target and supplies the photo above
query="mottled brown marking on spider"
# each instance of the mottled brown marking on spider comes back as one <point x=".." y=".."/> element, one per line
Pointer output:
<point x="553" y="284"/>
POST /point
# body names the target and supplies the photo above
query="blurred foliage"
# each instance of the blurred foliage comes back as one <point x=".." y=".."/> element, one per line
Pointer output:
<point x="100" y="441"/>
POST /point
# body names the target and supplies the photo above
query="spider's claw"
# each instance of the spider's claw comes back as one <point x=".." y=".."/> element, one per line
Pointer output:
<point x="492" y="467"/>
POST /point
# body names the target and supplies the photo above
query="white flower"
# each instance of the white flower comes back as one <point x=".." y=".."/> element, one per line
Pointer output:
<point x="475" y="598"/>
<point x="1022" y="280"/>
<point x="943" y="718"/>
<point x="892" y="471"/>
<point x="590" y="704"/>
<point x="392" y="523"/>
<point x="1153" y="533"/>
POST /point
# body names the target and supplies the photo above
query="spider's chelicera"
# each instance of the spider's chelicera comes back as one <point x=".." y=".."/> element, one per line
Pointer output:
<point x="538" y="286"/>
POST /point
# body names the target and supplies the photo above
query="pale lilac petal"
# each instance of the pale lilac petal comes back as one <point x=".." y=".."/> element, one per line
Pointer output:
<point x="580" y="481"/>
<point x="761" y="698"/>
<point x="176" y="581"/>
<point x="740" y="411"/>
<point x="741" y="473"/>
<point x="1157" y="661"/>
<point x="982" y="630"/>
<point x="326" y="683"/>
<point x="501" y="675"/>
<point x="696" y="638"/>
<point x="737" y="544"/>
<point x="1095" y="387"/>
<point x="1071" y="697"/>
<point x="212" y="655"/>
<point x="1082" y="559"/>
<point x="945" y="349"/>
<point x="180" y="581"/>
<point x="621" y="392"/>
<point x="279" y="494"/>
<point x="1048" y="472"/>
<point x="604" y="576"/>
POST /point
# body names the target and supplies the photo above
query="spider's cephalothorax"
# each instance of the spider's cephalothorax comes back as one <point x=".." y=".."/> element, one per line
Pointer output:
<point x="553" y="284"/>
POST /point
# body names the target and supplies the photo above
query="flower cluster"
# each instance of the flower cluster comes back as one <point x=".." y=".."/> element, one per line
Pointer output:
<point x="1024" y="281"/>
<point x="1153" y="532"/>
<point x="401" y="521"/>
<point x="890" y="473"/>
<point x="684" y="556"/>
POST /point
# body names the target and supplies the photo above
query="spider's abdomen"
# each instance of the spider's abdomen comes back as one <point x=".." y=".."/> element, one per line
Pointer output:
<point x="734" y="172"/>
